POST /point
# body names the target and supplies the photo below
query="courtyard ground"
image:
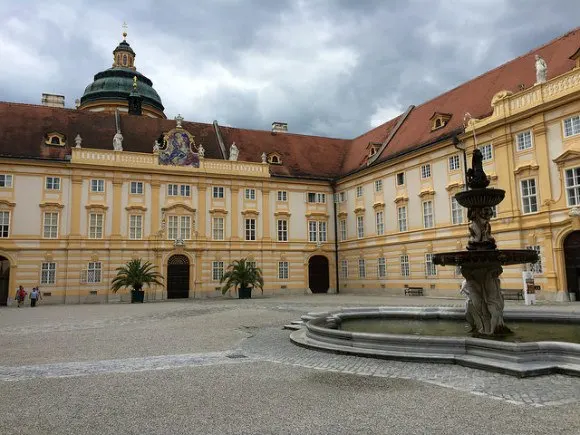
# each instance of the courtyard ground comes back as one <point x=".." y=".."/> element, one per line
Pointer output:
<point x="226" y="366"/>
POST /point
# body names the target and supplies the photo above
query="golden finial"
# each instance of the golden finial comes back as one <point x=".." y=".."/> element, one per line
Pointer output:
<point x="135" y="82"/>
<point x="124" y="30"/>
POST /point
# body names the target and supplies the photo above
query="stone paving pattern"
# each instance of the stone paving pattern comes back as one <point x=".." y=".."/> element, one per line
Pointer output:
<point x="226" y="366"/>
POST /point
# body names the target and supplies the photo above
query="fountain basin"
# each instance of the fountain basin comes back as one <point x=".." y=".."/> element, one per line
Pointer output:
<point x="504" y="257"/>
<point x="479" y="198"/>
<point x="520" y="359"/>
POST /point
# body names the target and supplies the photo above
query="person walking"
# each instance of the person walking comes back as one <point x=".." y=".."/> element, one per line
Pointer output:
<point x="20" y="296"/>
<point x="34" y="296"/>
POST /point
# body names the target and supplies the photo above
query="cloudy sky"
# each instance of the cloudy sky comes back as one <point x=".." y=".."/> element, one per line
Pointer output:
<point x="327" y="67"/>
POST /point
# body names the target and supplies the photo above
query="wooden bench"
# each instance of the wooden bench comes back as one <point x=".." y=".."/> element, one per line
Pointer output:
<point x="513" y="294"/>
<point x="413" y="291"/>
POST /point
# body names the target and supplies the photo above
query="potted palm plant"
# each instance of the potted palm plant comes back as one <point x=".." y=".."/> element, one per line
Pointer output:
<point x="243" y="275"/>
<point x="135" y="274"/>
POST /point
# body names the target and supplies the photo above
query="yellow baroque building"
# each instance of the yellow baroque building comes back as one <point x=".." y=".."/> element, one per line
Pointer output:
<point x="84" y="190"/>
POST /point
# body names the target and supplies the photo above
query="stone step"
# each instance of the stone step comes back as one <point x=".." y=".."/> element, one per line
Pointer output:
<point x="293" y="327"/>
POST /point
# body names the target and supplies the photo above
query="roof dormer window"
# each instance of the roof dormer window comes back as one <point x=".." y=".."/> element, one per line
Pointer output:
<point x="275" y="159"/>
<point x="55" y="139"/>
<point x="439" y="120"/>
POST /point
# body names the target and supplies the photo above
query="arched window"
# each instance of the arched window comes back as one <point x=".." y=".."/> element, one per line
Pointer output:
<point x="125" y="60"/>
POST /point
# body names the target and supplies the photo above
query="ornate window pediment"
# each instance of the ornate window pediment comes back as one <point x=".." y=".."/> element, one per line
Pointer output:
<point x="567" y="156"/>
<point x="178" y="206"/>
<point x="275" y="158"/>
<point x="373" y="148"/>
<point x="439" y="120"/>
<point x="55" y="139"/>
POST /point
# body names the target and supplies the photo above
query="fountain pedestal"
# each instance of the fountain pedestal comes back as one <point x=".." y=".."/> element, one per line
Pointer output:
<point x="481" y="264"/>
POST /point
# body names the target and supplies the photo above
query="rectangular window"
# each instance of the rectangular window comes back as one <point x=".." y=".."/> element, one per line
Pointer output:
<point x="185" y="228"/>
<point x="573" y="186"/>
<point x="218" y="228"/>
<point x="454" y="163"/>
<point x="378" y="185"/>
<point x="360" y="226"/>
<point x="135" y="227"/>
<point x="572" y="126"/>
<point x="94" y="272"/>
<point x="217" y="270"/>
<point x="405" y="265"/>
<point x="524" y="140"/>
<point x="52" y="183"/>
<point x="529" y="196"/>
<point x="359" y="191"/>
<point x="185" y="190"/>
<point x="430" y="269"/>
<point x="342" y="196"/>
<point x="50" y="223"/>
<point x="282" y="230"/>
<point x="322" y="231"/>
<point x="362" y="270"/>
<point x="4" y="224"/>
<point x="172" y="190"/>
<point x="456" y="212"/>
<point x="282" y="270"/>
<point x="342" y="226"/>
<point x="486" y="152"/>
<point x="312" y="231"/>
<point x="251" y="229"/>
<point x="98" y="186"/>
<point x="344" y="269"/>
<point x="250" y="194"/>
<point x="172" y="227"/>
<point x="536" y="267"/>
<point x="321" y="198"/>
<point x="425" y="171"/>
<point x="282" y="196"/>
<point x="382" y="267"/>
<point x="400" y="178"/>
<point x="428" y="221"/>
<point x="136" y="188"/>
<point x="5" y="180"/>
<point x="218" y="192"/>
<point x="402" y="218"/>
<point x="379" y="218"/>
<point x="48" y="273"/>
<point x="96" y="225"/>
<point x="311" y="197"/>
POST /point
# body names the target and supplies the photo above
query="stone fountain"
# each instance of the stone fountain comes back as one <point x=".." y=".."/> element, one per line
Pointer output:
<point x="481" y="264"/>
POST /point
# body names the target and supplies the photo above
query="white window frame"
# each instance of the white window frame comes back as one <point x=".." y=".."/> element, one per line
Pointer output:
<point x="572" y="181"/>
<point x="217" y="270"/>
<point x="405" y="267"/>
<point x="48" y="273"/>
<point x="136" y="188"/>
<point x="537" y="268"/>
<point x="342" y="225"/>
<point x="425" y="171"/>
<point x="359" y="191"/>
<point x="381" y="267"/>
<point x="360" y="226"/>
<point x="4" y="224"/>
<point x="172" y="189"/>
<point x="52" y="183"/>
<point x="282" y="229"/>
<point x="185" y="190"/>
<point x="378" y="185"/>
<point x="454" y="163"/>
<point x="218" y="192"/>
<point x="571" y="126"/>
<point x="529" y="201"/>
<point x="282" y="196"/>
<point x="96" y="228"/>
<point x="250" y="194"/>
<point x="362" y="268"/>
<point x="344" y="269"/>
<point x="250" y="226"/>
<point x="179" y="227"/>
<point x="524" y="140"/>
<point x="380" y="222"/>
<point x="136" y="226"/>
<point x="97" y="185"/>
<point x="428" y="214"/>
<point x="49" y="226"/>
<point x="218" y="228"/>
<point x="430" y="268"/>
<point x="402" y="218"/>
<point x="283" y="270"/>
<point x="94" y="272"/>
<point x="401" y="175"/>
<point x="6" y="181"/>
<point x="317" y="231"/>
<point x="486" y="152"/>
<point x="457" y="213"/>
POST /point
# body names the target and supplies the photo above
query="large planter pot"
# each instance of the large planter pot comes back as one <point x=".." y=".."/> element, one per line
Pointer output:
<point x="137" y="296"/>
<point x="245" y="293"/>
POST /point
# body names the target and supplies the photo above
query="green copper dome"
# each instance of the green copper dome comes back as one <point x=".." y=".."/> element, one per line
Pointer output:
<point x="117" y="83"/>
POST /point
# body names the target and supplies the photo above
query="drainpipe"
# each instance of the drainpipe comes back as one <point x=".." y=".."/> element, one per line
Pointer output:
<point x="333" y="185"/>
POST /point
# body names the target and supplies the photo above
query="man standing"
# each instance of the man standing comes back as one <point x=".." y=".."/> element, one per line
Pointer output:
<point x="34" y="296"/>
<point x="20" y="295"/>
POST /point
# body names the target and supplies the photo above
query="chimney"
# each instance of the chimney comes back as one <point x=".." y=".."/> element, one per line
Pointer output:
<point x="279" y="127"/>
<point x="53" y="100"/>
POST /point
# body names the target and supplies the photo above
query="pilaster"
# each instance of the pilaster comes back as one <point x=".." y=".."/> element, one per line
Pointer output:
<point x="76" y="206"/>
<point x="117" y="209"/>
<point x="549" y="266"/>
<point x="202" y="211"/>
<point x="155" y="188"/>
<point x="266" y="215"/>
<point x="544" y="163"/>
<point x="235" y="212"/>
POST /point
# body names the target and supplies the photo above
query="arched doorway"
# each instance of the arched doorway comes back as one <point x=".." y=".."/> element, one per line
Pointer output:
<point x="4" y="280"/>
<point x="177" y="280"/>
<point x="572" y="259"/>
<point x="318" y="276"/>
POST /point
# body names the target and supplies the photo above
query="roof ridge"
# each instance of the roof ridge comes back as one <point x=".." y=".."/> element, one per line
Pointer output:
<point x="287" y="133"/>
